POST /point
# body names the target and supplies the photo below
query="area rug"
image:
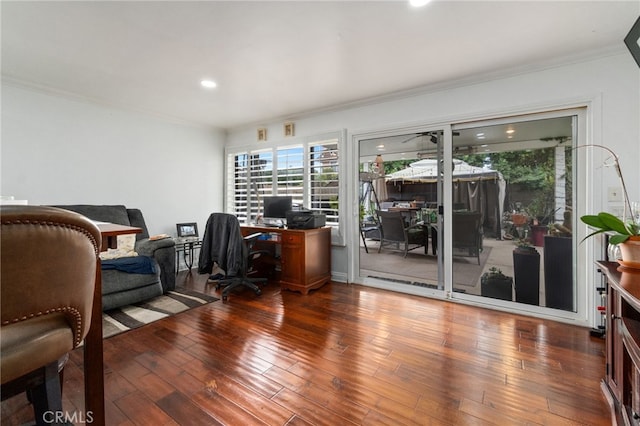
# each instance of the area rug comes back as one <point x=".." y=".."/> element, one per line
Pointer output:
<point x="466" y="271"/>
<point x="133" y="316"/>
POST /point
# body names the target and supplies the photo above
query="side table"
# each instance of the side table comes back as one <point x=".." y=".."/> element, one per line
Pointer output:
<point x="188" y="246"/>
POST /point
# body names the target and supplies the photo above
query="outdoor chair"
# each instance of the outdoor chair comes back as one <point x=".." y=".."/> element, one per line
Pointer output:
<point x="467" y="234"/>
<point x="394" y="230"/>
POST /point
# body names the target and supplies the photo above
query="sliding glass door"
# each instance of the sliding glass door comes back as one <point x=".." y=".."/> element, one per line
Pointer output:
<point x="400" y="190"/>
<point x="483" y="212"/>
<point x="512" y="208"/>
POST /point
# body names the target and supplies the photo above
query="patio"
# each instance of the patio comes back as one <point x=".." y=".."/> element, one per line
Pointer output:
<point x="420" y="269"/>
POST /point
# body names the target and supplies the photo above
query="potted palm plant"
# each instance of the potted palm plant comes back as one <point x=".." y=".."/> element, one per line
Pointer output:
<point x="541" y="210"/>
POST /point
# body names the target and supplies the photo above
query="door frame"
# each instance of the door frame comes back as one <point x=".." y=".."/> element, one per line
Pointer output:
<point x="584" y="178"/>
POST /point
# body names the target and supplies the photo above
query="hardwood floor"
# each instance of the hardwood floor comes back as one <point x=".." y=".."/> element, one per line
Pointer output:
<point x="344" y="354"/>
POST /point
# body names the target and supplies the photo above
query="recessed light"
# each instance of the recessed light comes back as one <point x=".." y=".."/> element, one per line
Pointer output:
<point x="510" y="131"/>
<point x="484" y="145"/>
<point x="209" y="84"/>
<point x="479" y="135"/>
<point x="418" y="3"/>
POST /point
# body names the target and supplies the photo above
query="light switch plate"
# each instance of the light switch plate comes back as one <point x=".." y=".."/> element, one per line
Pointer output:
<point x="614" y="194"/>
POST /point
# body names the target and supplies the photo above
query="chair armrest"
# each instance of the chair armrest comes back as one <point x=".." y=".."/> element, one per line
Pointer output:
<point x="147" y="247"/>
<point x="416" y="226"/>
<point x="164" y="252"/>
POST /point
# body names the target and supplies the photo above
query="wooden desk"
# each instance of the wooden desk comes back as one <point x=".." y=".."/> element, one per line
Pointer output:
<point x="93" y="355"/>
<point x="304" y="258"/>
<point x="621" y="384"/>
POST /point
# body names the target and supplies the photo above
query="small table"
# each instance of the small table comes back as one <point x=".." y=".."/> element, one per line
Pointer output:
<point x="110" y="232"/>
<point x="93" y="355"/>
<point x="188" y="246"/>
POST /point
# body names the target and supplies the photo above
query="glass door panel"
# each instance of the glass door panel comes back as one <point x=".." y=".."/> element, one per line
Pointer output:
<point x="400" y="180"/>
<point x="511" y="211"/>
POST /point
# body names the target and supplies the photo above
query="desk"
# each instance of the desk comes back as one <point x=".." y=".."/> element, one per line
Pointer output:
<point x="304" y="255"/>
<point x="93" y="356"/>
<point x="188" y="248"/>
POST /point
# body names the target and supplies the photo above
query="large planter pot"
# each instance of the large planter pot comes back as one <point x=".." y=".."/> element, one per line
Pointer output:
<point x="630" y="251"/>
<point x="558" y="272"/>
<point x="526" y="269"/>
<point x="537" y="234"/>
<point x="497" y="287"/>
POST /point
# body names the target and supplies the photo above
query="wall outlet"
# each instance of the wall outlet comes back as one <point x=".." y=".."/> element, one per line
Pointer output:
<point x="616" y="210"/>
<point x="614" y="194"/>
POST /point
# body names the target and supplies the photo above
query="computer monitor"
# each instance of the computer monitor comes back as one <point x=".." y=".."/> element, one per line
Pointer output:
<point x="277" y="206"/>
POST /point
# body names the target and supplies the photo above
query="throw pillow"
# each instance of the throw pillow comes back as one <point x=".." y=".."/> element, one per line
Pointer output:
<point x="126" y="244"/>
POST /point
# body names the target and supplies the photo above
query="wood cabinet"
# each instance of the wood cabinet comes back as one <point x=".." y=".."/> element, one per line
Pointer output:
<point x="621" y="385"/>
<point x="304" y="255"/>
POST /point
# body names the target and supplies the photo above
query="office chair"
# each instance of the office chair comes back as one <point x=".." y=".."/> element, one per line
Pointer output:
<point x="224" y="244"/>
<point x="49" y="263"/>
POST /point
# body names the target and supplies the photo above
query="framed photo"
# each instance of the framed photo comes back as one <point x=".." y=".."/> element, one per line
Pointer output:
<point x="262" y="134"/>
<point x="289" y="129"/>
<point x="187" y="229"/>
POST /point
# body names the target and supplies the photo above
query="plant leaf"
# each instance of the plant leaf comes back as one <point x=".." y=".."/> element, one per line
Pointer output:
<point x="595" y="222"/>
<point x="613" y="223"/>
<point x="600" y="231"/>
<point x="618" y="238"/>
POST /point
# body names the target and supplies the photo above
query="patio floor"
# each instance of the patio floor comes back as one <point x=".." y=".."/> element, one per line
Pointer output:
<point x="418" y="268"/>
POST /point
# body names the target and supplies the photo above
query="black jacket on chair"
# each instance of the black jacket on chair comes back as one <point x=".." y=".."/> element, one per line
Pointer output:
<point x="222" y="243"/>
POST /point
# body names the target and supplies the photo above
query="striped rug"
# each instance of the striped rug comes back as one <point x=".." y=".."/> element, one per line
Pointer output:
<point x="133" y="316"/>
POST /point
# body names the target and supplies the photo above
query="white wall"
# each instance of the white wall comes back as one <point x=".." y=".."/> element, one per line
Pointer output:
<point x="58" y="150"/>
<point x="611" y="83"/>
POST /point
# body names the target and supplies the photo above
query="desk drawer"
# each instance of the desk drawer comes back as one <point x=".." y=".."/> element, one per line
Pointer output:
<point x="291" y="238"/>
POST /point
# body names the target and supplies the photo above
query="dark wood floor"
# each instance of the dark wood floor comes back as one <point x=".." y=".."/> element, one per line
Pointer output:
<point x="344" y="354"/>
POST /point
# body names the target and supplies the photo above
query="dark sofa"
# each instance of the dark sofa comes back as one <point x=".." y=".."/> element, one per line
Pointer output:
<point x="123" y="288"/>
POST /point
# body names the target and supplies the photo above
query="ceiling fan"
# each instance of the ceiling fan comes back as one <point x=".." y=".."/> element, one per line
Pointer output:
<point x="433" y="136"/>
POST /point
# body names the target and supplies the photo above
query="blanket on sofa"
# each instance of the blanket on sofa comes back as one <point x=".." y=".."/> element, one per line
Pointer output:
<point x="134" y="265"/>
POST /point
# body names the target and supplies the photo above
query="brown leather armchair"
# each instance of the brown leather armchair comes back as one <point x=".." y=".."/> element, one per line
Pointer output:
<point x="49" y="260"/>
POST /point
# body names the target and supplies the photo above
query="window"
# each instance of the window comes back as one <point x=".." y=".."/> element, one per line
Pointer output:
<point x="307" y="170"/>
<point x="323" y="179"/>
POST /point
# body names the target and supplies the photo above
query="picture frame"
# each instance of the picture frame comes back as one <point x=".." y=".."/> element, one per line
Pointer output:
<point x="289" y="129"/>
<point x="262" y="134"/>
<point x="189" y="229"/>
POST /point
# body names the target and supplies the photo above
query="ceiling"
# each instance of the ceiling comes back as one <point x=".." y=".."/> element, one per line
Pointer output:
<point x="512" y="136"/>
<point x="280" y="60"/>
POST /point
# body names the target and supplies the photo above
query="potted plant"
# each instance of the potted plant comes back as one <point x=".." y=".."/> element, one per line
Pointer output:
<point x="541" y="212"/>
<point x="495" y="284"/>
<point x="558" y="265"/>
<point x="625" y="233"/>
<point x="526" y="270"/>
